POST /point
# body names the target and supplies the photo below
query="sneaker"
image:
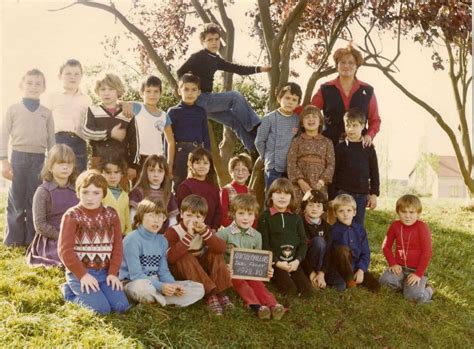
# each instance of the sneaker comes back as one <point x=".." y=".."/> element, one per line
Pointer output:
<point x="214" y="305"/>
<point x="278" y="311"/>
<point x="351" y="284"/>
<point x="263" y="312"/>
<point x="225" y="303"/>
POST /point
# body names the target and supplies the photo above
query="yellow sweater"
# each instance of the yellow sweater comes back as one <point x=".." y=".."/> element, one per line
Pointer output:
<point x="121" y="206"/>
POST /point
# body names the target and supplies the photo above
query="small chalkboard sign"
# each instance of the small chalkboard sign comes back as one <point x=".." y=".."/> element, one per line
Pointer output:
<point x="250" y="264"/>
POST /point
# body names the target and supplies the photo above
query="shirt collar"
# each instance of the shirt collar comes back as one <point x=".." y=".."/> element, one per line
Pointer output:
<point x="235" y="229"/>
<point x="306" y="136"/>
<point x="274" y="211"/>
<point x="51" y="185"/>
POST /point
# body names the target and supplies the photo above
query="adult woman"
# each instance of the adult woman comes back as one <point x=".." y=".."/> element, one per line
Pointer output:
<point x="335" y="97"/>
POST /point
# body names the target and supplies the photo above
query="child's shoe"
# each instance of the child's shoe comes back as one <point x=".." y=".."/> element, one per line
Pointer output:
<point x="225" y="303"/>
<point x="214" y="305"/>
<point x="351" y="284"/>
<point x="278" y="311"/>
<point x="263" y="312"/>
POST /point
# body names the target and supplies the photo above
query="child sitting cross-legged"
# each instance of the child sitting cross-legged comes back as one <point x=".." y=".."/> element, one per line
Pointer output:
<point x="144" y="269"/>
<point x="196" y="253"/>
<point x="408" y="263"/>
<point x="349" y="253"/>
<point x="318" y="235"/>
<point x="240" y="234"/>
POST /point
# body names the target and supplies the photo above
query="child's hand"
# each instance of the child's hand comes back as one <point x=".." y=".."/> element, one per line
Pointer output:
<point x="372" y="202"/>
<point x="200" y="227"/>
<point x="229" y="269"/>
<point x="168" y="289"/>
<point x="7" y="171"/>
<point x="127" y="109"/>
<point x="179" y="291"/>
<point x="359" y="276"/>
<point x="320" y="184"/>
<point x="270" y="273"/>
<point x="413" y="280"/>
<point x="366" y="141"/>
<point x="131" y="174"/>
<point x="294" y="265"/>
<point x="118" y="133"/>
<point x="283" y="266"/>
<point x="396" y="269"/>
<point x="89" y="284"/>
<point x="321" y="282"/>
<point x="114" y="282"/>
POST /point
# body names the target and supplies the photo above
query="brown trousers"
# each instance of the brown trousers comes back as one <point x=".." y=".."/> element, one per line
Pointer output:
<point x="341" y="258"/>
<point x="208" y="269"/>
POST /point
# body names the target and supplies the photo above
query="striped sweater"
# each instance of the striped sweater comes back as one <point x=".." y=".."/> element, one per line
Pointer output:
<point x="98" y="127"/>
<point x="90" y="239"/>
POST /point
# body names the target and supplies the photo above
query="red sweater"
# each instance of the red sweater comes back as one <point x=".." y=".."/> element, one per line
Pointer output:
<point x="182" y="245"/>
<point x="226" y="197"/>
<point x="90" y="239"/>
<point x="208" y="191"/>
<point x="414" y="241"/>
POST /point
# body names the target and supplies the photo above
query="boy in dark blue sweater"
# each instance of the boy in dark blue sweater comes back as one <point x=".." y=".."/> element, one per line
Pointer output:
<point x="349" y="254"/>
<point x="357" y="171"/>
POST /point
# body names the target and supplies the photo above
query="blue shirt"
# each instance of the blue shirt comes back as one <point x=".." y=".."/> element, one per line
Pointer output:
<point x="144" y="257"/>
<point x="354" y="237"/>
<point x="189" y="124"/>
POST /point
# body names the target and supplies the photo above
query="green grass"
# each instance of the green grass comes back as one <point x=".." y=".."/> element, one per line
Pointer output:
<point x="33" y="314"/>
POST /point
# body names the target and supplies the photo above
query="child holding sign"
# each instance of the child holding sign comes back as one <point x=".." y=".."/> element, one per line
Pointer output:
<point x="240" y="234"/>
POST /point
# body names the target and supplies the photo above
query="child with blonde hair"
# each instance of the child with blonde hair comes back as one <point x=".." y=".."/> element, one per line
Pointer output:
<point x="411" y="256"/>
<point x="51" y="200"/>
<point x="311" y="156"/>
<point x="144" y="269"/>
<point x="240" y="234"/>
<point x="30" y="128"/>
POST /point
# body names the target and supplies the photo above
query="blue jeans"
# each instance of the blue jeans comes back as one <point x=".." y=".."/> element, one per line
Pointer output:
<point x="180" y="165"/>
<point x="270" y="175"/>
<point x="103" y="301"/>
<point x="361" y="202"/>
<point x="26" y="169"/>
<point x="78" y="146"/>
<point x="316" y="252"/>
<point x="232" y="109"/>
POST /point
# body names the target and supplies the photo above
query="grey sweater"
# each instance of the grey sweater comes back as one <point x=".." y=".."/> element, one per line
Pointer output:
<point x="29" y="132"/>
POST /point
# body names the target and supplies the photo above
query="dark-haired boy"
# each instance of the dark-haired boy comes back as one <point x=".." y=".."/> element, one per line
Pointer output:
<point x="228" y="108"/>
<point x="189" y="125"/>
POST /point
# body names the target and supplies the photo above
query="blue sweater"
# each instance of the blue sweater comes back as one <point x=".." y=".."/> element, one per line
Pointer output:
<point x="354" y="237"/>
<point x="144" y="256"/>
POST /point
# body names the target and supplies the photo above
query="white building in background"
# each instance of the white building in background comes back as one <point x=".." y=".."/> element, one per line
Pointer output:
<point x="439" y="178"/>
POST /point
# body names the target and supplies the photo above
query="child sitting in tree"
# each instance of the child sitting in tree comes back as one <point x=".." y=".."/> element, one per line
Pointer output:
<point x="196" y="253"/>
<point x="240" y="168"/>
<point x="410" y="258"/>
<point x="228" y="108"/>
<point x="90" y="247"/>
<point x="144" y="269"/>
<point x="318" y="235"/>
<point x="349" y="253"/>
<point x="240" y="234"/>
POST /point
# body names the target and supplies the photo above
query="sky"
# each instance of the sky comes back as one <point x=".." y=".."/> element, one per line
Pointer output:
<point x="32" y="36"/>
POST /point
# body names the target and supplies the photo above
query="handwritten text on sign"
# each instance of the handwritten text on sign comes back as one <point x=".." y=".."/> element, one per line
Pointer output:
<point x="250" y="264"/>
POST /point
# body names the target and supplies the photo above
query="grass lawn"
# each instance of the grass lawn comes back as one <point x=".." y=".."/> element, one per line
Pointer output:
<point x="33" y="314"/>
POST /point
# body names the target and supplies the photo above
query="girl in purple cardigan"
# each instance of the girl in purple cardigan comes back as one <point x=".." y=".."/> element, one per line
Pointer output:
<point x="52" y="198"/>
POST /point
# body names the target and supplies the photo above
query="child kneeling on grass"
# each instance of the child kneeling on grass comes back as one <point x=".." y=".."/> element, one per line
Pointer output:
<point x="196" y="253"/>
<point x="240" y="234"/>
<point x="144" y="269"/>
<point x="90" y="247"/>
<point x="349" y="254"/>
<point x="407" y="264"/>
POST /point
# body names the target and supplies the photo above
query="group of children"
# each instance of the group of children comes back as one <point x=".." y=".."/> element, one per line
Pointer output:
<point x="167" y="237"/>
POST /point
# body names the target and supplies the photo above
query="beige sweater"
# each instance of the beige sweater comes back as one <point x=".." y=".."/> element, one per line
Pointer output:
<point x="29" y="132"/>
